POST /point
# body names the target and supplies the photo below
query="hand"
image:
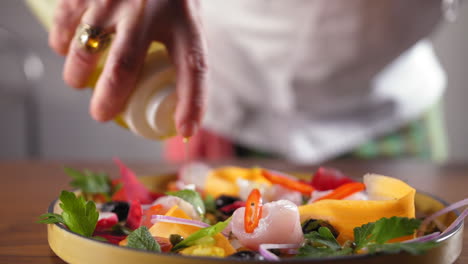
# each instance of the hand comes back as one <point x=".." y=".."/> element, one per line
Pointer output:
<point x="136" y="23"/>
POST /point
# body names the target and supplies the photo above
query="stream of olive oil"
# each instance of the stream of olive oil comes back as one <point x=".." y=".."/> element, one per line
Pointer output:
<point x="186" y="141"/>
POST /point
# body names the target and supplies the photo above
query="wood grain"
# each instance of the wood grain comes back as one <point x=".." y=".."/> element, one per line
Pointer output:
<point x="29" y="186"/>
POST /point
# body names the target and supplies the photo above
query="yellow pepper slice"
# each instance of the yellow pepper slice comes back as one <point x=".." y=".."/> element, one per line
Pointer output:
<point x="224" y="180"/>
<point x="162" y="229"/>
<point x="388" y="197"/>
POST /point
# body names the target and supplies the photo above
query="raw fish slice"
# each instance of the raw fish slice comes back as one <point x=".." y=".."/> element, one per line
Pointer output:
<point x="280" y="224"/>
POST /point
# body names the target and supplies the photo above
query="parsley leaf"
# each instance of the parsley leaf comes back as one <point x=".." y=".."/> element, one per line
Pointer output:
<point x="79" y="216"/>
<point x="191" y="197"/>
<point x="50" y="218"/>
<point x="141" y="238"/>
<point x="90" y="182"/>
<point x="201" y="234"/>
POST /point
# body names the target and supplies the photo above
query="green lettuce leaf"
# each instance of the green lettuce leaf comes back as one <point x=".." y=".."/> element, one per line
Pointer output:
<point x="191" y="197"/>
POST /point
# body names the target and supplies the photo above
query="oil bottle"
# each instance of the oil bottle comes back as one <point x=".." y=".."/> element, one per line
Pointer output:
<point x="150" y="109"/>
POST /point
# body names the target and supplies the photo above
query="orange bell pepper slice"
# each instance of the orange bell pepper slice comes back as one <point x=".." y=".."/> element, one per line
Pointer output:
<point x="253" y="211"/>
<point x="288" y="183"/>
<point x="344" y="191"/>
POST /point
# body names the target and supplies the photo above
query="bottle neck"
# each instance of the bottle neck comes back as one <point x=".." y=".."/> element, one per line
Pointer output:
<point x="160" y="111"/>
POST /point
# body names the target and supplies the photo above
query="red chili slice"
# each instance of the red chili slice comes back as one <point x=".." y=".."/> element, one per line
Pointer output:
<point x="253" y="211"/>
<point x="344" y="191"/>
<point x="286" y="182"/>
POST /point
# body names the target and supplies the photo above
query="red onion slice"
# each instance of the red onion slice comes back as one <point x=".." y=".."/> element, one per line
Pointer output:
<point x="423" y="238"/>
<point x="177" y="220"/>
<point x="264" y="250"/>
<point x="445" y="210"/>
<point x="456" y="222"/>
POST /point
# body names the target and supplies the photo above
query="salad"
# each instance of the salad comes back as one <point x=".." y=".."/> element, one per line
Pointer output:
<point x="250" y="213"/>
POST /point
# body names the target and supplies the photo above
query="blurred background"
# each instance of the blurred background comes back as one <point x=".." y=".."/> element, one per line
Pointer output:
<point x="41" y="118"/>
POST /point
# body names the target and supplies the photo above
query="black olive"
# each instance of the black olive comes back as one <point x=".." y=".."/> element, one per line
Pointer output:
<point x="175" y="239"/>
<point x="314" y="225"/>
<point x="224" y="200"/>
<point x="247" y="255"/>
<point x="117" y="207"/>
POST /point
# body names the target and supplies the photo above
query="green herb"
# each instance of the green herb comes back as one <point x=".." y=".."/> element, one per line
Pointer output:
<point x="191" y="197"/>
<point x="141" y="238"/>
<point x="384" y="230"/>
<point x="78" y="215"/>
<point x="393" y="248"/>
<point x="50" y="218"/>
<point x="310" y="251"/>
<point x="322" y="243"/>
<point x="210" y="203"/>
<point x="98" y="238"/>
<point x="90" y="182"/>
<point x="201" y="234"/>
<point x="372" y="237"/>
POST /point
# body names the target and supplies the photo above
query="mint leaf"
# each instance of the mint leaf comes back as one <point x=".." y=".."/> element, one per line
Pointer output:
<point x="141" y="238"/>
<point x="362" y="235"/>
<point x="191" y="197"/>
<point x="411" y="248"/>
<point x="200" y="234"/>
<point x="79" y="216"/>
<point x="50" y="218"/>
<point x="386" y="229"/>
<point x="89" y="182"/>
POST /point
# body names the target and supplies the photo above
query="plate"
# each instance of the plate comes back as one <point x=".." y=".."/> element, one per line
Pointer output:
<point x="77" y="249"/>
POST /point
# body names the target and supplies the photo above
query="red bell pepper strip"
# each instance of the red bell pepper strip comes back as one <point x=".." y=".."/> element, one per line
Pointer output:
<point x="253" y="211"/>
<point x="344" y="191"/>
<point x="164" y="243"/>
<point x="113" y="239"/>
<point x="325" y="179"/>
<point x="288" y="183"/>
<point x="135" y="214"/>
<point x="153" y="210"/>
<point x="230" y="208"/>
<point x="132" y="188"/>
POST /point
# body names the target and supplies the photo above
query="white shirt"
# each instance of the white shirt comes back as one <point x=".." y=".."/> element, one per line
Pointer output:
<point x="312" y="79"/>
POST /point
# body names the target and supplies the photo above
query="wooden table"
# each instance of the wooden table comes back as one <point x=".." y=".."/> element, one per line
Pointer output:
<point x="27" y="188"/>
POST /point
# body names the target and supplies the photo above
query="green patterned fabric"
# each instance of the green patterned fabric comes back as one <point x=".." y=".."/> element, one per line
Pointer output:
<point x="424" y="138"/>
